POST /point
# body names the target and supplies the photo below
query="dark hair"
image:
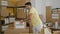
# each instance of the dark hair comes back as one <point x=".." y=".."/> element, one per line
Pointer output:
<point x="28" y="3"/>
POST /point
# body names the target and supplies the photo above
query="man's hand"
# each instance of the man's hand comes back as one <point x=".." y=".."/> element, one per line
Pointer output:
<point x="29" y="17"/>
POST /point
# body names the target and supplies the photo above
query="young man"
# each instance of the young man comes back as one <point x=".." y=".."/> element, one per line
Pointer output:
<point x="34" y="18"/>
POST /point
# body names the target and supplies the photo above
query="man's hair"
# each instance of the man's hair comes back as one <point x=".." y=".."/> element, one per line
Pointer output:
<point x="28" y="3"/>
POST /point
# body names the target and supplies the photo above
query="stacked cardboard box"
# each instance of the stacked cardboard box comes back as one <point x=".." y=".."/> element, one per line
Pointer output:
<point x="4" y="3"/>
<point x="17" y="28"/>
<point x="5" y="27"/>
<point x="17" y="2"/>
<point x="0" y="3"/>
<point x="21" y="3"/>
<point x="4" y="11"/>
<point x="11" y="3"/>
<point x="48" y="13"/>
<point x="21" y="13"/>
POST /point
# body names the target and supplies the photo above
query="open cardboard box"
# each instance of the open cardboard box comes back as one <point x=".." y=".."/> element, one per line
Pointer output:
<point x="16" y="31"/>
<point x="19" y="24"/>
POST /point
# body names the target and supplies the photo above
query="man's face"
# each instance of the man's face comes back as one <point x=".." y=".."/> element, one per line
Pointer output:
<point x="27" y="6"/>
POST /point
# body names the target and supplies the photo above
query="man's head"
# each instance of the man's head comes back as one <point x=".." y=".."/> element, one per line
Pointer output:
<point x="28" y="5"/>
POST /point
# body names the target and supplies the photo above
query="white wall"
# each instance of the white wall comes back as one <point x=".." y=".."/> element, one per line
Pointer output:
<point x="53" y="3"/>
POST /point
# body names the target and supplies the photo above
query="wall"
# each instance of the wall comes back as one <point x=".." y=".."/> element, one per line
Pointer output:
<point x="53" y="3"/>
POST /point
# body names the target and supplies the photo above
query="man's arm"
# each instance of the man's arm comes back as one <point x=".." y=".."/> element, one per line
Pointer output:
<point x="30" y="16"/>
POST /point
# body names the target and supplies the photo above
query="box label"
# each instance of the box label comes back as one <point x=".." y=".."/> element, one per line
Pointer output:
<point x="4" y="3"/>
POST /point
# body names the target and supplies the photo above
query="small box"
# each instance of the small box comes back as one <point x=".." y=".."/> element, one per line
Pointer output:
<point x="6" y="21"/>
<point x="19" y="24"/>
<point x="4" y="27"/>
<point x="4" y="12"/>
<point x="12" y="19"/>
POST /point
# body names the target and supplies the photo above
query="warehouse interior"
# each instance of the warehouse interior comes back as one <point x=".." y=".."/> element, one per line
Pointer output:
<point x="12" y="12"/>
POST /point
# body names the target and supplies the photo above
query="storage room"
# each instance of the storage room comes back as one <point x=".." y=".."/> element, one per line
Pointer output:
<point x="29" y="17"/>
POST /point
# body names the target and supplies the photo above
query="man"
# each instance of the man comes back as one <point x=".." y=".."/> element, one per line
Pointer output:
<point x="34" y="18"/>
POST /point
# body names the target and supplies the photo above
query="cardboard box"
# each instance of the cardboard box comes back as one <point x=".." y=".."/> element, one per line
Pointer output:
<point x="6" y="21"/>
<point x="21" y="3"/>
<point x="4" y="3"/>
<point x="2" y="18"/>
<point x="28" y="0"/>
<point x="14" y="2"/>
<point x="0" y="2"/>
<point x="42" y="31"/>
<point x="21" y="13"/>
<point x="11" y="26"/>
<point x="4" y="12"/>
<point x="11" y="3"/>
<point x="56" y="32"/>
<point x="16" y="31"/>
<point x="48" y="13"/>
<point x="19" y="24"/>
<point x="4" y="27"/>
<point x="11" y="19"/>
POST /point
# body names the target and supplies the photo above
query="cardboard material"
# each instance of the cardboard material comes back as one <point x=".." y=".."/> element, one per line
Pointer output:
<point x="16" y="31"/>
<point x="42" y="31"/>
<point x="11" y="19"/>
<point x="4" y="12"/>
<point x="56" y="16"/>
<point x="4" y="3"/>
<point x="17" y="2"/>
<point x="21" y="13"/>
<point x="11" y="3"/>
<point x="21" y="3"/>
<point x="4" y="28"/>
<point x="11" y="26"/>
<point x="56" y="32"/>
<point x="6" y="21"/>
<point x="48" y="13"/>
<point x="27" y="0"/>
<point x="19" y="24"/>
